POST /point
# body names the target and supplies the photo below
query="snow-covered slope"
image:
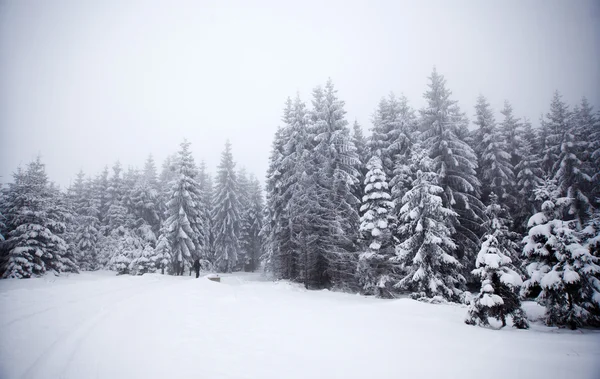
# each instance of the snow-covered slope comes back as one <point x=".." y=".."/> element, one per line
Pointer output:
<point x="96" y="325"/>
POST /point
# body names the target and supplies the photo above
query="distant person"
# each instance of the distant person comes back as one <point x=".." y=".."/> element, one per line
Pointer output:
<point x="197" y="267"/>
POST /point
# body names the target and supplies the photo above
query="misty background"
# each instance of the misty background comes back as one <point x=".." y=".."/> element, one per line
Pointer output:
<point x="84" y="83"/>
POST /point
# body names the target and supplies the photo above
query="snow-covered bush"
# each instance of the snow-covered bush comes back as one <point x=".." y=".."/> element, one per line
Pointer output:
<point x="143" y="261"/>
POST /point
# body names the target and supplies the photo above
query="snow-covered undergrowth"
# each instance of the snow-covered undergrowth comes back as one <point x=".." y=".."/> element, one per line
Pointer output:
<point x="97" y="325"/>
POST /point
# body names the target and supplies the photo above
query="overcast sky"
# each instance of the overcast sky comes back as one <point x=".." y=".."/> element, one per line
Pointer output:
<point x="84" y="83"/>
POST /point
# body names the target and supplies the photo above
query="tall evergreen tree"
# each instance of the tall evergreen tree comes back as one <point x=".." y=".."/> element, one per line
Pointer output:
<point x="184" y="222"/>
<point x="512" y="131"/>
<point x="297" y="166"/>
<point x="360" y="142"/>
<point x="495" y="168"/>
<point x="254" y="218"/>
<point x="375" y="272"/>
<point x="587" y="127"/>
<point x="206" y="208"/>
<point x="426" y="252"/>
<point x="554" y="126"/>
<point x="393" y="125"/>
<point x="528" y="177"/>
<point x="454" y="162"/>
<point x="571" y="178"/>
<point x="163" y="257"/>
<point x="226" y="213"/>
<point x="275" y="230"/>
<point x="145" y="197"/>
<point x="87" y="224"/>
<point x="244" y="224"/>
<point x="37" y="223"/>
<point x="557" y="264"/>
<point x="500" y="281"/>
<point x="100" y="194"/>
<point x="338" y="164"/>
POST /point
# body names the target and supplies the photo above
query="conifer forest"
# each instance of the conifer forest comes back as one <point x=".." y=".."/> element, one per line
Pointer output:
<point x="420" y="205"/>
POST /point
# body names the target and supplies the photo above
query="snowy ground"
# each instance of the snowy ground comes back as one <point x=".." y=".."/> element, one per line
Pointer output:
<point x="97" y="325"/>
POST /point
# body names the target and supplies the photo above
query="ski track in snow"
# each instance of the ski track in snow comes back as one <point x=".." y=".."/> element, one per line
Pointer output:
<point x="55" y="361"/>
<point x="60" y="306"/>
<point x="100" y="326"/>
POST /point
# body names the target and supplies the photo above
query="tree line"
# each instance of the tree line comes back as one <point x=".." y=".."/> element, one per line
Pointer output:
<point x="424" y="206"/>
<point x="428" y="207"/>
<point x="133" y="222"/>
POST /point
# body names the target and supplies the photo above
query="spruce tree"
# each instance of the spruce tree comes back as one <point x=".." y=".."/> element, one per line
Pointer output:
<point x="500" y="281"/>
<point x="298" y="168"/>
<point x="338" y="163"/>
<point x="570" y="174"/>
<point x="375" y="272"/>
<point x="163" y="257"/>
<point x="495" y="168"/>
<point x="254" y="219"/>
<point x="554" y="126"/>
<point x="454" y="162"/>
<point x="143" y="260"/>
<point x="426" y="252"/>
<point x="100" y="195"/>
<point x="594" y="158"/>
<point x="394" y="124"/>
<point x="244" y="224"/>
<point x="226" y="213"/>
<point x="145" y="197"/>
<point x="206" y="208"/>
<point x="360" y="142"/>
<point x="559" y="265"/>
<point x="512" y="132"/>
<point x="87" y="225"/>
<point x="37" y="223"/>
<point x="184" y="223"/>
<point x="274" y="230"/>
<point x="528" y="176"/>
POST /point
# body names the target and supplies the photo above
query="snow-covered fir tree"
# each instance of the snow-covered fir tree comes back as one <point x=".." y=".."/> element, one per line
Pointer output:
<point x="143" y="261"/>
<point x="184" y="221"/>
<point x="338" y="163"/>
<point x="295" y="169"/>
<point x="454" y="162"/>
<point x="162" y="256"/>
<point x="394" y="122"/>
<point x="125" y="247"/>
<point x="375" y="272"/>
<point x="254" y="221"/>
<point x="362" y="151"/>
<point x="590" y="131"/>
<point x="495" y="169"/>
<point x="36" y="220"/>
<point x="206" y="207"/>
<point x="86" y="224"/>
<point x="498" y="296"/>
<point x="564" y="271"/>
<point x="570" y="174"/>
<point x="145" y="197"/>
<point x="528" y="176"/>
<point x="274" y="230"/>
<point x="586" y="126"/>
<point x="226" y="213"/>
<point x="556" y="123"/>
<point x="244" y="201"/>
<point x="426" y="251"/>
<point x="512" y="132"/>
